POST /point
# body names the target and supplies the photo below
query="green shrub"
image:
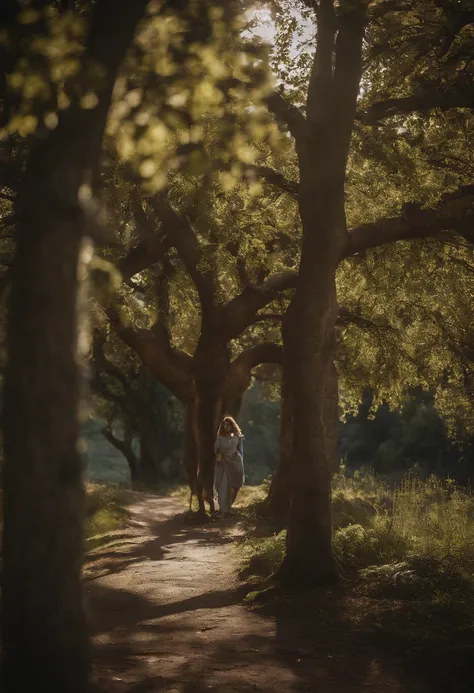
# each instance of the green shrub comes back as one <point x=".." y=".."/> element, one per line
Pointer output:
<point x="105" y="513"/>
<point x="417" y="577"/>
<point x="437" y="518"/>
<point x="356" y="546"/>
<point x="415" y="541"/>
<point x="352" y="511"/>
<point x="263" y="556"/>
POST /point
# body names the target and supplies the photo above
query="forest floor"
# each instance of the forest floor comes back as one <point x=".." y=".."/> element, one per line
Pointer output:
<point x="168" y="615"/>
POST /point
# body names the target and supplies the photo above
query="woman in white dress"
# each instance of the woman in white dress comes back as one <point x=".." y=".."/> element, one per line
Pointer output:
<point x="229" y="472"/>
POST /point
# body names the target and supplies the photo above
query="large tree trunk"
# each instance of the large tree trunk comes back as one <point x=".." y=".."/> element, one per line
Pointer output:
<point x="44" y="634"/>
<point x="278" y="501"/>
<point x="44" y="630"/>
<point x="309" y="332"/>
<point x="277" y="504"/>
<point x="207" y="412"/>
<point x="125" y="448"/>
<point x="150" y="456"/>
<point x="211" y="366"/>
<point x="309" y="557"/>
<point x="331" y="416"/>
<point x="189" y="459"/>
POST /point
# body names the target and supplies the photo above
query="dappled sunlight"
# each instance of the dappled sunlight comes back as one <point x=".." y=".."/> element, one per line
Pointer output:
<point x="184" y="618"/>
<point x="253" y="219"/>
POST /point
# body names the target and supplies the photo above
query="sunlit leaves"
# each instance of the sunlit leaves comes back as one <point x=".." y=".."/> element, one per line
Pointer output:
<point x="188" y="63"/>
<point x="188" y="69"/>
<point x="45" y="51"/>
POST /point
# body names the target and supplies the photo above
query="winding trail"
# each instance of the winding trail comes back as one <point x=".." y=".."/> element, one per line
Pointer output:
<point x="167" y="616"/>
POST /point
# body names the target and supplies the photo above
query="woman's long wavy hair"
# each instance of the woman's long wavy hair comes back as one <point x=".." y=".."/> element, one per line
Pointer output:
<point x="235" y="428"/>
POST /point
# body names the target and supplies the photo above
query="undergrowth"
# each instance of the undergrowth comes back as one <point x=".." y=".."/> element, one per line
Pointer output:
<point x="413" y="542"/>
<point x="105" y="513"/>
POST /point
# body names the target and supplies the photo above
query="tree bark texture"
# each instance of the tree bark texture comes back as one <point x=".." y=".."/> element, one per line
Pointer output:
<point x="309" y="335"/>
<point x="125" y="447"/>
<point x="331" y="415"/>
<point x="44" y="631"/>
<point x="211" y="364"/>
<point x="150" y="454"/>
<point x="43" y="619"/>
<point x="278" y="502"/>
<point x="189" y="458"/>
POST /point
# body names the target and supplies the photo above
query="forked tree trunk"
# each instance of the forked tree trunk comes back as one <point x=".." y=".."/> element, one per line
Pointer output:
<point x="202" y="418"/>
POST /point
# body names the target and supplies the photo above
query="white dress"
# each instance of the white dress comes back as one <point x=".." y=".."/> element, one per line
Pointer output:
<point x="229" y="472"/>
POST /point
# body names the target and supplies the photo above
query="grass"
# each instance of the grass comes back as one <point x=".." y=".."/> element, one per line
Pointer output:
<point x="248" y="498"/>
<point x="422" y="528"/>
<point x="408" y="556"/>
<point x="105" y="513"/>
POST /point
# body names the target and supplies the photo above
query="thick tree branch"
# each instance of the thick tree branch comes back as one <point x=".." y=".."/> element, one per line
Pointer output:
<point x="288" y="114"/>
<point x="380" y="8"/>
<point x="319" y="100"/>
<point x="459" y="94"/>
<point x="152" y="247"/>
<point x="347" y="72"/>
<point x="241" y="311"/>
<point x="148" y="252"/>
<point x="169" y="365"/>
<point x="454" y="213"/>
<point x="121" y="445"/>
<point x="266" y="352"/>
<point x="125" y="447"/>
<point x="240" y="373"/>
<point x="457" y="20"/>
<point x="274" y="178"/>
<point x="183" y="238"/>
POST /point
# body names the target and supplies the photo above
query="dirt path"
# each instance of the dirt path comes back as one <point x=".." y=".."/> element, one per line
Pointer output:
<point x="167" y="616"/>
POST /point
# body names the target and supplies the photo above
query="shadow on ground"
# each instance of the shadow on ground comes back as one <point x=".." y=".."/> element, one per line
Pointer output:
<point x="167" y="617"/>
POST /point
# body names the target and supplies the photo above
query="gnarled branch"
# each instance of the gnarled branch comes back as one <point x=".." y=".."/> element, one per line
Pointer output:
<point x="183" y="238"/>
<point x="459" y="94"/>
<point x="240" y="373"/>
<point x="148" y="252"/>
<point x="171" y="366"/>
<point x="455" y="212"/>
<point x="241" y="311"/>
<point x="287" y="113"/>
<point x="275" y="178"/>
